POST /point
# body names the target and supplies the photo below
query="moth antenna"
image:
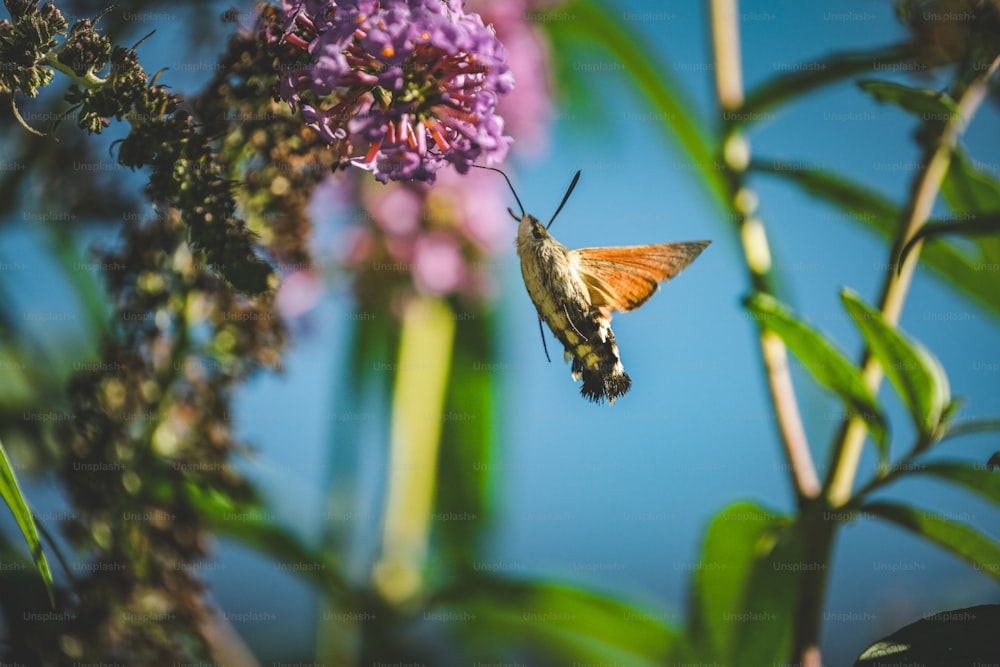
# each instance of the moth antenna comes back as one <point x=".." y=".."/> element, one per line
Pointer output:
<point x="565" y="197"/>
<point x="511" y="185"/>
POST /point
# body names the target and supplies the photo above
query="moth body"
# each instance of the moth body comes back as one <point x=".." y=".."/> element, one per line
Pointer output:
<point x="562" y="298"/>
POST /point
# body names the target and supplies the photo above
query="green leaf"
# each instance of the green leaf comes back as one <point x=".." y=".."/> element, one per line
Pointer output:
<point x="564" y="624"/>
<point x="974" y="196"/>
<point x="969" y="190"/>
<point x="869" y="209"/>
<point x="984" y="226"/>
<point x="956" y="637"/>
<point x="807" y="77"/>
<point x="978" y="479"/>
<point x="917" y="101"/>
<point x="11" y="493"/>
<point x="743" y="589"/>
<point x="254" y="529"/>
<point x="827" y="364"/>
<point x="958" y="538"/>
<point x="916" y="374"/>
<point x="467" y="440"/>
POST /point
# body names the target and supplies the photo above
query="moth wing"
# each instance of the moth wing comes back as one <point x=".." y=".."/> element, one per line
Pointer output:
<point x="624" y="278"/>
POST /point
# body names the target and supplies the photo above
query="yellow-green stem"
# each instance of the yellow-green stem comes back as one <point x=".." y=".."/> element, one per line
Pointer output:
<point x="736" y="158"/>
<point x="428" y="332"/>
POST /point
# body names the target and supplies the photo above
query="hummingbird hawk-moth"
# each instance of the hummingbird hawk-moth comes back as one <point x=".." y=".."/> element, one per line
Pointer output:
<point x="575" y="292"/>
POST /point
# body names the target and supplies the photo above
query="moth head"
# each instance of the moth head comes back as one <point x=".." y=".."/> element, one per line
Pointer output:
<point x="529" y="228"/>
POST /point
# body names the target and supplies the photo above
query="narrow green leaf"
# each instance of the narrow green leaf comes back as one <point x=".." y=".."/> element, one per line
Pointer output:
<point x="467" y="441"/>
<point x="812" y="76"/>
<point x="958" y="538"/>
<point x="872" y="211"/>
<point x="598" y="26"/>
<point x="978" y="479"/>
<point x="10" y="490"/>
<point x="972" y="427"/>
<point x="916" y="374"/>
<point x="726" y="607"/>
<point x="833" y="188"/>
<point x="917" y="101"/>
<point x="824" y="361"/>
<point x="559" y="622"/>
<point x="984" y="226"/>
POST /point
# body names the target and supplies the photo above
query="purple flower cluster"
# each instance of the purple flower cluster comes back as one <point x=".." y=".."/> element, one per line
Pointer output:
<point x="398" y="87"/>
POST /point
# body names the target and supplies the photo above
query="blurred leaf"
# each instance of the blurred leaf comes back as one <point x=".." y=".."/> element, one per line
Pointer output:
<point x="974" y="196"/>
<point x="916" y="374"/>
<point x="562" y="623"/>
<point x="957" y="637"/>
<point x="598" y="26"/>
<point x="18" y="386"/>
<point x="742" y="597"/>
<point x="977" y="479"/>
<point x="914" y="100"/>
<point x="467" y="440"/>
<point x="373" y="340"/>
<point x="772" y="596"/>
<point x="255" y="530"/>
<point x="958" y="538"/>
<point x="792" y="85"/>
<point x="824" y="361"/>
<point x="982" y="227"/>
<point x="972" y="427"/>
<point x="93" y="301"/>
<point x="575" y="90"/>
<point x="10" y="491"/>
<point x="969" y="190"/>
<point x="871" y="210"/>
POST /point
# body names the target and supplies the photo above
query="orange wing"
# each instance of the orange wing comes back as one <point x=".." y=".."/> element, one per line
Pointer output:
<point x="624" y="278"/>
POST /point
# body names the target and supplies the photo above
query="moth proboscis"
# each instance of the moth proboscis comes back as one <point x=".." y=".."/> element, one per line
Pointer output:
<point x="576" y="291"/>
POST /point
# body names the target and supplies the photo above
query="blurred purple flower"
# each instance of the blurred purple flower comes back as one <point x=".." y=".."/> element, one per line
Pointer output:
<point x="398" y="87"/>
<point x="438" y="266"/>
<point x="299" y="293"/>
<point x="528" y="109"/>
<point x="411" y="238"/>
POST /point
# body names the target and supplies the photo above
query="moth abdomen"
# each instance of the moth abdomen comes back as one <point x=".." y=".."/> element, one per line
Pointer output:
<point x="601" y="385"/>
<point x="596" y="359"/>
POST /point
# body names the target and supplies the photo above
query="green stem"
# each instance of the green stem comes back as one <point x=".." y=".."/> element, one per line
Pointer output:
<point x="802" y="469"/>
<point x="88" y="80"/>
<point x="896" y="284"/>
<point x="819" y="533"/>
